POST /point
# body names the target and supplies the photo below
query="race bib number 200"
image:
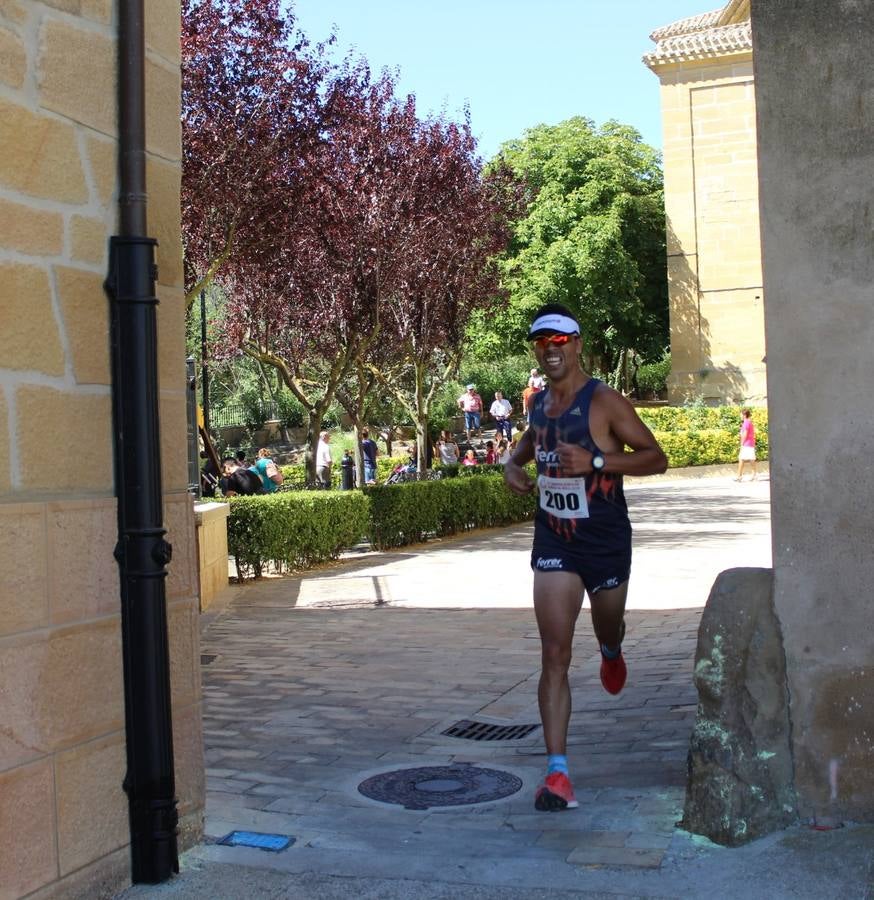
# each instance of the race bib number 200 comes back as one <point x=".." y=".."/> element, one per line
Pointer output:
<point x="564" y="498"/>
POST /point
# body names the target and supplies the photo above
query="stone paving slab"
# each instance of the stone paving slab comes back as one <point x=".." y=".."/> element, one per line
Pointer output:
<point x="313" y="683"/>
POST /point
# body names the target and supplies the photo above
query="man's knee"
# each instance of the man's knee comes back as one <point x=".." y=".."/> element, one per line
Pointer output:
<point x="556" y="656"/>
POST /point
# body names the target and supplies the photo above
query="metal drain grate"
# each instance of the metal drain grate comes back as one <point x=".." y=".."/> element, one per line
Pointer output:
<point x="482" y="731"/>
<point x="272" y="842"/>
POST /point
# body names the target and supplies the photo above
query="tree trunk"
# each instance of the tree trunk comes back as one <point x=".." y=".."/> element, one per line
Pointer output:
<point x="314" y="427"/>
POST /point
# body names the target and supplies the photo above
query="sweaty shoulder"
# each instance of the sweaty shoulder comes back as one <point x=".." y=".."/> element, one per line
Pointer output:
<point x="609" y="412"/>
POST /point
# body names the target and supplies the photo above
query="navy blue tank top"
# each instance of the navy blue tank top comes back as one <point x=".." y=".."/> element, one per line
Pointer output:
<point x="607" y="520"/>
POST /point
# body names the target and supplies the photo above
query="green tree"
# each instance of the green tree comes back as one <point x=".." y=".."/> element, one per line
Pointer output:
<point x="592" y="238"/>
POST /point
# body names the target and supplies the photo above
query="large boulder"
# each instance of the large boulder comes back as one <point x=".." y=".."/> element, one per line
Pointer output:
<point x="740" y="778"/>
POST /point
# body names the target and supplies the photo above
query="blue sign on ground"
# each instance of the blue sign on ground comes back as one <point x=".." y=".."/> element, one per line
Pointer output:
<point x="271" y="842"/>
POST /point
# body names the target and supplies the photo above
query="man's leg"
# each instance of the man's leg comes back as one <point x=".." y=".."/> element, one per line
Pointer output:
<point x="558" y="597"/>
<point x="608" y="622"/>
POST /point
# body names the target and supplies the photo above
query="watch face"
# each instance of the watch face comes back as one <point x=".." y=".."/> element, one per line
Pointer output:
<point x="598" y="462"/>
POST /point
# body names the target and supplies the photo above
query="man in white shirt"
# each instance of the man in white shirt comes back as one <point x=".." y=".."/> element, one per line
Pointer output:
<point x="500" y="411"/>
<point x="323" y="460"/>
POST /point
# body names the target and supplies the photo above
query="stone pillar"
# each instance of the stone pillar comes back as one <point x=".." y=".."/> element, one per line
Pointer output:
<point x="816" y="154"/>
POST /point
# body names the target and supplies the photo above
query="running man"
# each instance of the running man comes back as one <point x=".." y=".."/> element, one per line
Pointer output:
<point x="578" y="435"/>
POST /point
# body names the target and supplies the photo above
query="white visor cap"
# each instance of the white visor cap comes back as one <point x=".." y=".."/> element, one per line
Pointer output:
<point x="553" y="323"/>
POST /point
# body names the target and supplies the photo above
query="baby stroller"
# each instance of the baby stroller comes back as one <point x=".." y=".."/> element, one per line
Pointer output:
<point x="403" y="472"/>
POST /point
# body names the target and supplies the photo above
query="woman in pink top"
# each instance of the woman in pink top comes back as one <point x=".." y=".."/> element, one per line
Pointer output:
<point x="747" y="446"/>
<point x="470" y="459"/>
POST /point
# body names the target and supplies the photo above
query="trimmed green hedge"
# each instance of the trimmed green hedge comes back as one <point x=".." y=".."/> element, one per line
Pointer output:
<point x="294" y="529"/>
<point x="407" y="513"/>
<point x="697" y="418"/>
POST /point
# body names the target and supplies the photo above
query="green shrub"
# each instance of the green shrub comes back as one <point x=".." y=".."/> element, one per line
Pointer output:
<point x="456" y="470"/>
<point x="407" y="513"/>
<point x="294" y="477"/>
<point x="704" y="447"/>
<point x="291" y="411"/>
<point x="653" y="377"/>
<point x="682" y="418"/>
<point x="295" y="529"/>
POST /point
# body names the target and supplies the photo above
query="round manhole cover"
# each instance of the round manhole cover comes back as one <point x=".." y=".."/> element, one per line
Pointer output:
<point x="458" y="785"/>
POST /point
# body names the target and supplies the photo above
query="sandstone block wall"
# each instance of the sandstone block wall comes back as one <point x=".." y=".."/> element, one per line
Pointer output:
<point x="62" y="750"/>
<point x="816" y="150"/>
<point x="714" y="259"/>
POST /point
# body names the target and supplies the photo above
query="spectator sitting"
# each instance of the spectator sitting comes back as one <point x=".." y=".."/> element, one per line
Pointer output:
<point x="412" y="459"/>
<point x="241" y="458"/>
<point x="491" y="456"/>
<point x="448" y="450"/>
<point x="470" y="458"/>
<point x="239" y="480"/>
<point x="267" y="471"/>
<point x="504" y="453"/>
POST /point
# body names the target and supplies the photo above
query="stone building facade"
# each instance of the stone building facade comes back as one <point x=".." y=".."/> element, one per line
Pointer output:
<point x="816" y="151"/>
<point x="62" y="740"/>
<point x="705" y="66"/>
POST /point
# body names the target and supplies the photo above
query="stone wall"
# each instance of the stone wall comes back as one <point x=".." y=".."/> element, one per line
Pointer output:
<point x="816" y="152"/>
<point x="711" y="201"/>
<point x="62" y="751"/>
<point x="212" y="550"/>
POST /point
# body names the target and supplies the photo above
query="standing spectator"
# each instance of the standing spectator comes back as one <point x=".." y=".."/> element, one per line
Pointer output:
<point x="368" y="455"/>
<point x="536" y="383"/>
<point x="491" y="456"/>
<point x="747" y="446"/>
<point x="470" y="458"/>
<point x="472" y="405"/>
<point x="267" y="470"/>
<point x="323" y="460"/>
<point x="500" y="411"/>
<point x="448" y="450"/>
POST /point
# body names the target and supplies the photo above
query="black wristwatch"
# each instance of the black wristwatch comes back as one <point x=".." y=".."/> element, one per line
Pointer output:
<point x="598" y="462"/>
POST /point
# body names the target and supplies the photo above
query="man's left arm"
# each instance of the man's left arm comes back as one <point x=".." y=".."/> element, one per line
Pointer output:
<point x="645" y="456"/>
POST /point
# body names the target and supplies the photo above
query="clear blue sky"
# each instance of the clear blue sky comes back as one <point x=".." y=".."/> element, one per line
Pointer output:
<point x="515" y="64"/>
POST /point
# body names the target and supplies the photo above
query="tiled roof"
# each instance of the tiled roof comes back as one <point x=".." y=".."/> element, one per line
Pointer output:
<point x="700" y="38"/>
<point x="686" y="26"/>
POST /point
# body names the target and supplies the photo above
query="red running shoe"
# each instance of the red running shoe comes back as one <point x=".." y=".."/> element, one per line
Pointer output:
<point x="555" y="794"/>
<point x="613" y="673"/>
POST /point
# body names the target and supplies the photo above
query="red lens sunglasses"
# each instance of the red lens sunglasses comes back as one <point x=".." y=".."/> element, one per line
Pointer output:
<point x="558" y="340"/>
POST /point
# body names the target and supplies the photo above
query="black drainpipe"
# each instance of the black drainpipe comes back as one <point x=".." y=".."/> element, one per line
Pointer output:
<point x="141" y="552"/>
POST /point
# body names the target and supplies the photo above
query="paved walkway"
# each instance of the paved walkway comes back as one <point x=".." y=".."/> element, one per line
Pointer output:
<point x="312" y="684"/>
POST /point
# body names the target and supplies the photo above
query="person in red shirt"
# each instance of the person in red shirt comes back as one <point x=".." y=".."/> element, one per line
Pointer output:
<point x="471" y="404"/>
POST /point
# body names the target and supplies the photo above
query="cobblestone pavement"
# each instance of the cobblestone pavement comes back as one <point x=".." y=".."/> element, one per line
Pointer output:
<point x="314" y="683"/>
